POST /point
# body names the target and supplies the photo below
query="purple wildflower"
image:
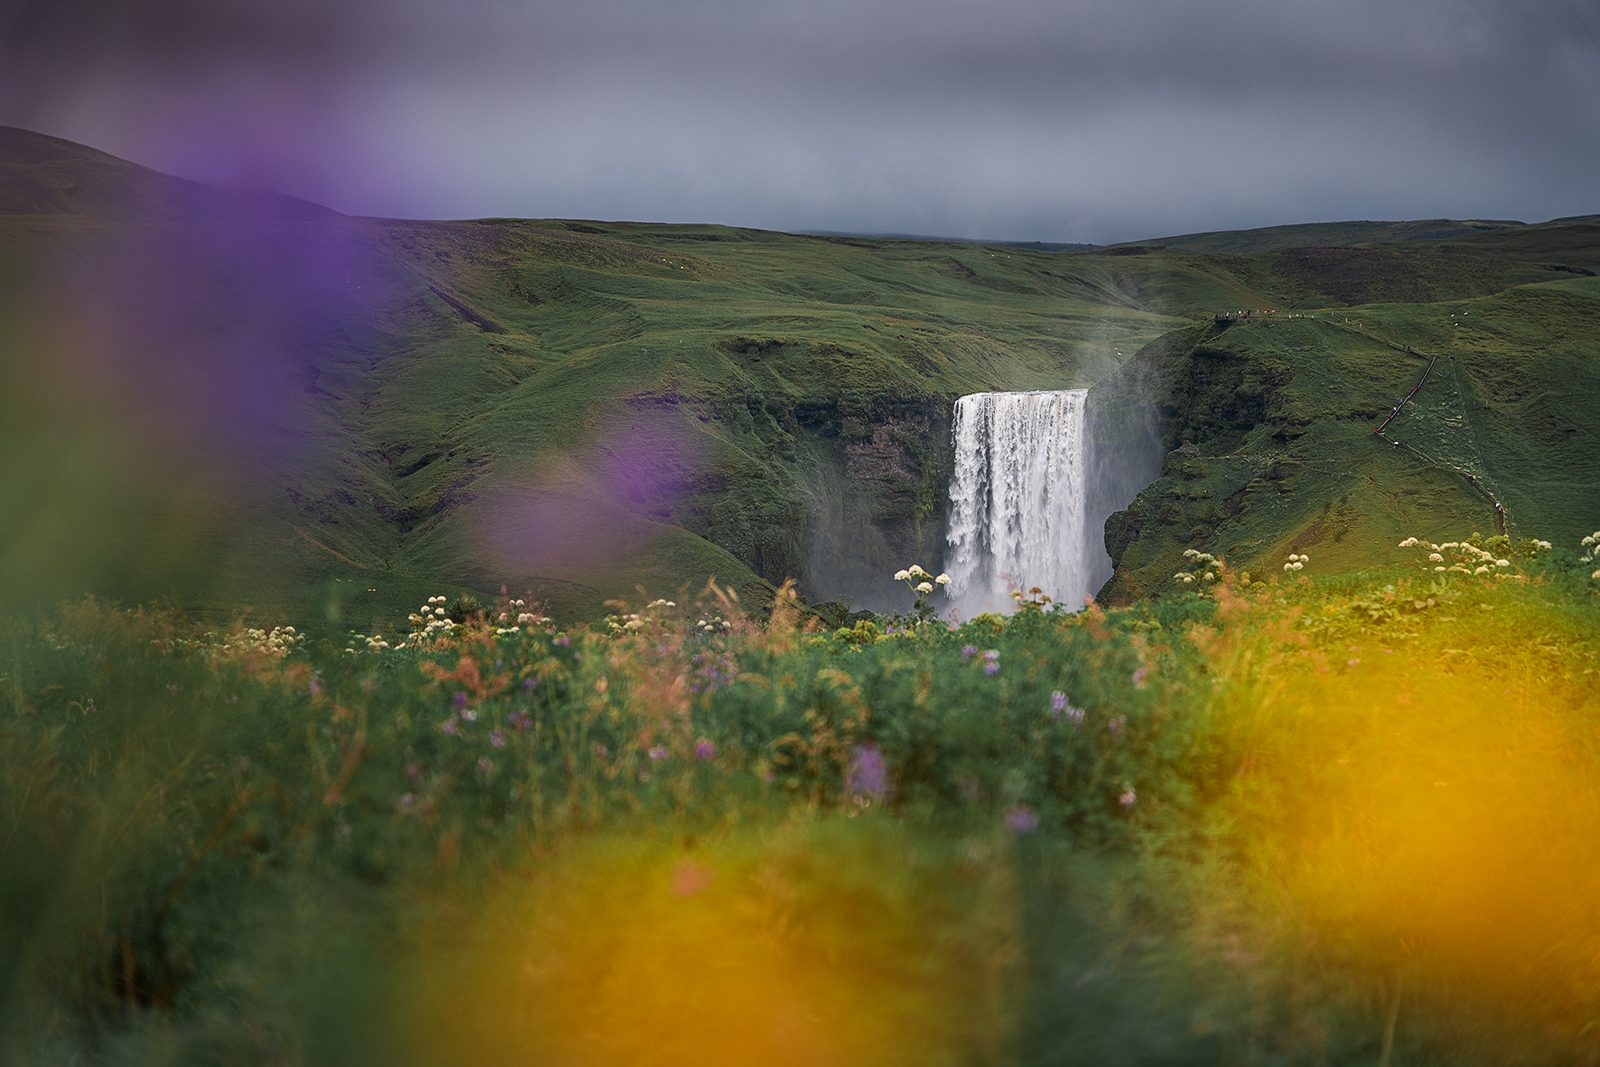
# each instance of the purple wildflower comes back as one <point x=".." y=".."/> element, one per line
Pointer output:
<point x="704" y="750"/>
<point x="1058" y="704"/>
<point x="529" y="682"/>
<point x="1116" y="725"/>
<point x="498" y="738"/>
<point x="449" y="726"/>
<point x="867" y="775"/>
<point x="991" y="668"/>
<point x="968" y="651"/>
<point x="1127" y="799"/>
<point x="1022" y="820"/>
<point x="658" y="753"/>
<point x="459" y="699"/>
<point x="1138" y="678"/>
<point x="992" y="654"/>
<point x="563" y="640"/>
<point x="520" y="719"/>
<point x="485" y="766"/>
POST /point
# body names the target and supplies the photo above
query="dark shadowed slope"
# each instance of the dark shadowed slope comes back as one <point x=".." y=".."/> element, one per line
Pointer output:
<point x="41" y="175"/>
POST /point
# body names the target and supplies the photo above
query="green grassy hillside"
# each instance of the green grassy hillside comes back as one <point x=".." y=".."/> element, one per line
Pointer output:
<point x="245" y="400"/>
<point x="1270" y="427"/>
<point x="338" y="414"/>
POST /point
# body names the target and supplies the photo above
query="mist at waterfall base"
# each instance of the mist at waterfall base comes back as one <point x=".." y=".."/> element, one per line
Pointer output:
<point x="1035" y="479"/>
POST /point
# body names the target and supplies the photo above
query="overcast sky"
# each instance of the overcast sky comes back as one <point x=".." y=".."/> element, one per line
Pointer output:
<point x="1043" y="120"/>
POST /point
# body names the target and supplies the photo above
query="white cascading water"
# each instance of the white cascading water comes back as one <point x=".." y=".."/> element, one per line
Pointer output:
<point x="1017" y="500"/>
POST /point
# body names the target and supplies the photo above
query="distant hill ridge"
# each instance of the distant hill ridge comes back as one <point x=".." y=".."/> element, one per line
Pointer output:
<point x="1253" y="241"/>
<point x="1322" y="235"/>
<point x="43" y="175"/>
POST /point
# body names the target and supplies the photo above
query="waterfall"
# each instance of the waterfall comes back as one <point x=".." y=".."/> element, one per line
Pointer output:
<point x="1017" y="500"/>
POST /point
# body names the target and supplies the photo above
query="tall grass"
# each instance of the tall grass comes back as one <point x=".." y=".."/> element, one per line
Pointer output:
<point x="1290" y="822"/>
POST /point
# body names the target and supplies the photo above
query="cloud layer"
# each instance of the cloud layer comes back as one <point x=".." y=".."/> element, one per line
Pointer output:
<point x="1019" y="119"/>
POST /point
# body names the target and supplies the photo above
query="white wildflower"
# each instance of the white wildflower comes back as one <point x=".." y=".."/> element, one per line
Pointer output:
<point x="1502" y="563"/>
<point x="901" y="576"/>
<point x="943" y="579"/>
<point x="924" y="587"/>
<point x="1434" y="557"/>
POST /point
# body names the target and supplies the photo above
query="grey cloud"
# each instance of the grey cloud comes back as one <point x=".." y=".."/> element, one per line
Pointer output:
<point x="1010" y="118"/>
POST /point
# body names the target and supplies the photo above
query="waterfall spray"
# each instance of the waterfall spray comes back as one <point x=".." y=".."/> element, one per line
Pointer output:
<point x="1017" y="500"/>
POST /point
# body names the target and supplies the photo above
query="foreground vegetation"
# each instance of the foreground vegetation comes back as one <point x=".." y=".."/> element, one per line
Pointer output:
<point x="1307" y="820"/>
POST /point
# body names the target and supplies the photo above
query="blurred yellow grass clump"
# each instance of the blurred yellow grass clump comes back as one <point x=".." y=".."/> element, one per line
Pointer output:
<point x="819" y="941"/>
<point x="1423" y="806"/>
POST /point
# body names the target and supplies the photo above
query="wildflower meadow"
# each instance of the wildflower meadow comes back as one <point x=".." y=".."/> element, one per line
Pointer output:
<point x="1299" y="819"/>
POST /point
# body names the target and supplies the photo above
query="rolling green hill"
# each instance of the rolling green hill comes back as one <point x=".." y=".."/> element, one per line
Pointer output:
<point x="241" y="399"/>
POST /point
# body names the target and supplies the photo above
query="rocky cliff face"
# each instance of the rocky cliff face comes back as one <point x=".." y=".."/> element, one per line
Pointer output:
<point x="835" y="493"/>
<point x="876" y="488"/>
<point x="1210" y="419"/>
